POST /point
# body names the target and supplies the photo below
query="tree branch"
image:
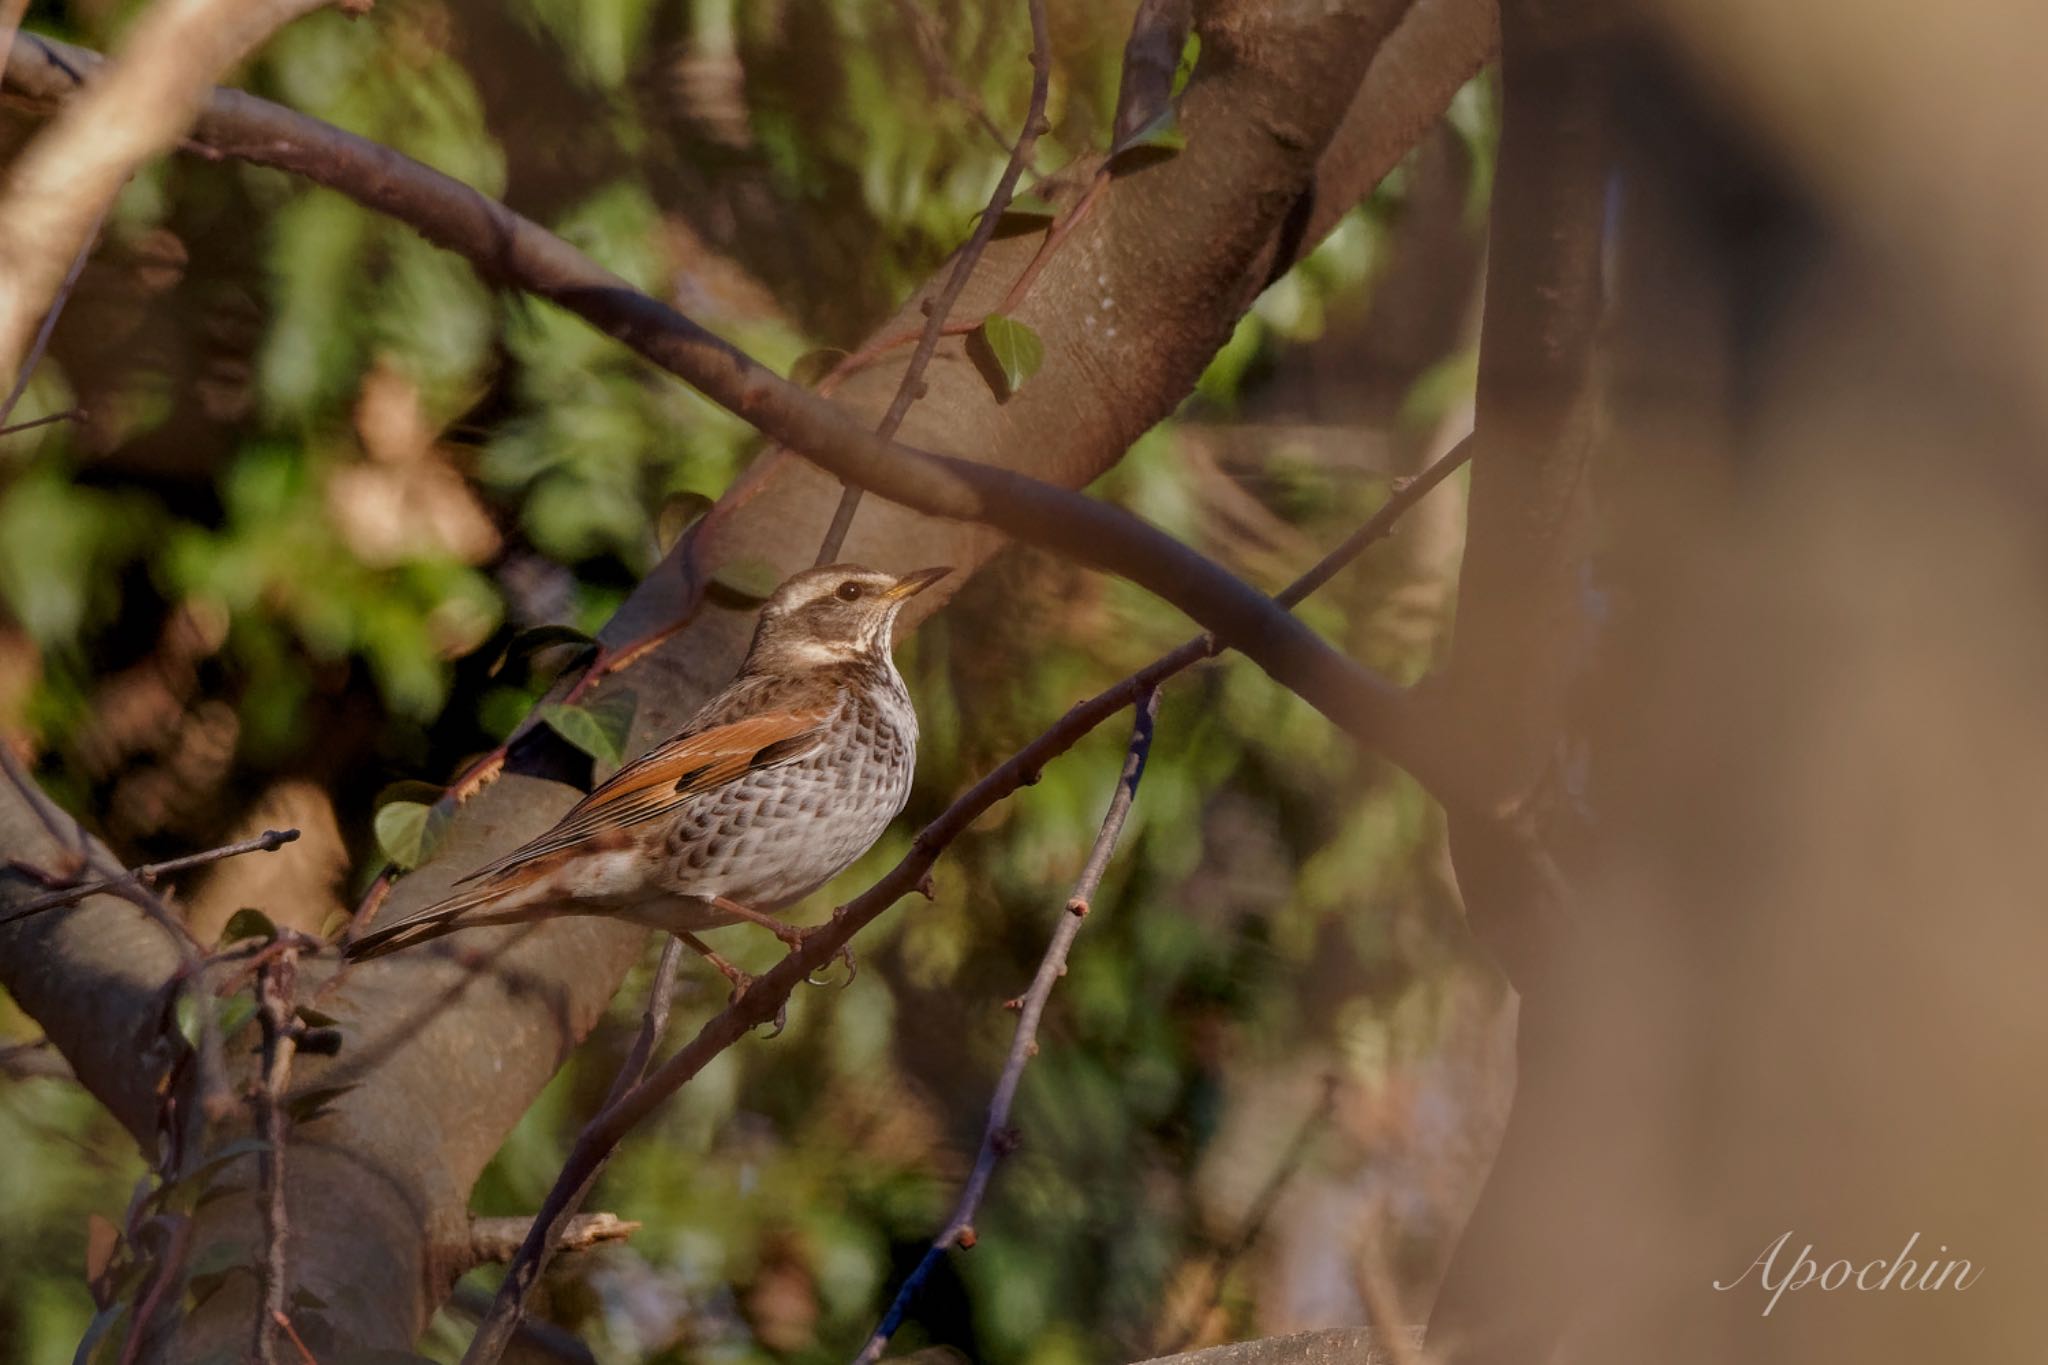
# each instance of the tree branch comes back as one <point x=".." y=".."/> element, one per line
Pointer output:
<point x="56" y="191"/>
<point x="998" y="1140"/>
<point x="276" y="999"/>
<point x="145" y="876"/>
<point x="513" y="250"/>
<point x="939" y="309"/>
<point x="764" y="1000"/>
<point x="495" y="1240"/>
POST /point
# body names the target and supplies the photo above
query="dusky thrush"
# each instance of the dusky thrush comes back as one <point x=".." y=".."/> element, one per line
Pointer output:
<point x="771" y="789"/>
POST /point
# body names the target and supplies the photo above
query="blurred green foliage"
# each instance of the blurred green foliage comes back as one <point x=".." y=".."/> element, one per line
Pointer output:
<point x="314" y="377"/>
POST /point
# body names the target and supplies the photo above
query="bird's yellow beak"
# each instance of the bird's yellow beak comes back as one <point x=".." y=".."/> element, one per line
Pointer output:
<point x="911" y="584"/>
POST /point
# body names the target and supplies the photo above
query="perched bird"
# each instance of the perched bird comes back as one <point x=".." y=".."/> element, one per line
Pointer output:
<point x="773" y="787"/>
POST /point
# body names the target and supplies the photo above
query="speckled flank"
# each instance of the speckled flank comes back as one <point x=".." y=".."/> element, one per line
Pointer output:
<point x="781" y="832"/>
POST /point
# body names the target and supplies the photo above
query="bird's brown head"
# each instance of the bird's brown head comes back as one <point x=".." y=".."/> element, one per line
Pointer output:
<point x="832" y="614"/>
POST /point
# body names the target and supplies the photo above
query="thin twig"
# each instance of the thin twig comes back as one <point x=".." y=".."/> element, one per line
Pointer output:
<point x="769" y="992"/>
<point x="495" y="1240"/>
<point x="939" y="308"/>
<point x="940" y="74"/>
<point x="276" y="999"/>
<point x="284" y="1324"/>
<point x="169" y="1270"/>
<point x="998" y="1139"/>
<point x="653" y="1021"/>
<point x="551" y="1227"/>
<point x="543" y="1337"/>
<point x="267" y="842"/>
<point x="49" y="323"/>
<point x="74" y="415"/>
<point x="71" y="836"/>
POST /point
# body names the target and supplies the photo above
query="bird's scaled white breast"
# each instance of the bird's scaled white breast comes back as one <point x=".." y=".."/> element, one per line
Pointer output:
<point x="781" y="832"/>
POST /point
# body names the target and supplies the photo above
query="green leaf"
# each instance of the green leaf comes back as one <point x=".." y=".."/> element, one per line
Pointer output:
<point x="247" y="923"/>
<point x="1190" y="58"/>
<point x="597" y="727"/>
<point x="407" y="832"/>
<point x="1013" y="347"/>
<point x="235" y="1011"/>
<point x="188" y="1011"/>
<point x="530" y="642"/>
<point x="1156" y="141"/>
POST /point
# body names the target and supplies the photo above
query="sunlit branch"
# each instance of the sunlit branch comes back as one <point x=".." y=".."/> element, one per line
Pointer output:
<point x="764" y="1000"/>
<point x="511" y="249"/>
<point x="939" y="308"/>
<point x="997" y="1138"/>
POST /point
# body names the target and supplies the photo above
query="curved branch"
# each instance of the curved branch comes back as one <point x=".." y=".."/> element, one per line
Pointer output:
<point x="939" y="309"/>
<point x="56" y="190"/>
<point x="513" y="250"/>
<point x="769" y="994"/>
<point x="997" y="1140"/>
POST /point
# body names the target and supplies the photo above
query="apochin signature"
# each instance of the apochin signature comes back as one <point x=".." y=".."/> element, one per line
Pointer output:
<point x="1900" y="1272"/>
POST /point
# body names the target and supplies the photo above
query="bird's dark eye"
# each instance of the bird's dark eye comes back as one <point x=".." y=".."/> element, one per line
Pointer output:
<point x="848" y="592"/>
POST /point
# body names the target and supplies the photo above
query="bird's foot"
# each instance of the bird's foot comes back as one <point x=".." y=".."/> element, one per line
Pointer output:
<point x="741" y="979"/>
<point x="845" y="955"/>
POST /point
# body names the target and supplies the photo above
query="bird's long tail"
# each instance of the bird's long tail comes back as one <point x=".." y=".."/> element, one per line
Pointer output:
<point x="442" y="917"/>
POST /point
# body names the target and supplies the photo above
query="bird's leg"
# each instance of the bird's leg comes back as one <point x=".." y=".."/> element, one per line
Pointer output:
<point x="740" y="979"/>
<point x="788" y="933"/>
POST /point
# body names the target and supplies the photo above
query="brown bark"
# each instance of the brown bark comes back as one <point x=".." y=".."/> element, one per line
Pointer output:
<point x="446" y="1051"/>
<point x="59" y="188"/>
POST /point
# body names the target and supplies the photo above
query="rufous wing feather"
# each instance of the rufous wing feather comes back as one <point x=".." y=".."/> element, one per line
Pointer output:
<point x="657" y="782"/>
<point x="667" y="776"/>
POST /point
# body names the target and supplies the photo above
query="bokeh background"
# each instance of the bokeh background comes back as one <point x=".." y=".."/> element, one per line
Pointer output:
<point x="324" y="476"/>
